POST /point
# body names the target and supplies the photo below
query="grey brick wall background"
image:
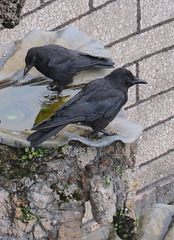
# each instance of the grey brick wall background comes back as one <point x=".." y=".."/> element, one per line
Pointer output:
<point x="140" y="35"/>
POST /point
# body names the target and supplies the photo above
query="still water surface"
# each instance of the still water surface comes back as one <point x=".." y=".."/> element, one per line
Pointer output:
<point x="23" y="106"/>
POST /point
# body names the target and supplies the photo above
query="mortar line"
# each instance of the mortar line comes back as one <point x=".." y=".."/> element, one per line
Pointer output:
<point x="137" y="85"/>
<point x="149" y="55"/>
<point x="156" y="158"/>
<point x="150" y="98"/>
<point x="82" y="15"/>
<point x="51" y="1"/>
<point x="87" y="13"/>
<point x="109" y="45"/>
<point x="155" y="184"/>
<point x="158" y="123"/>
<point x="138" y="16"/>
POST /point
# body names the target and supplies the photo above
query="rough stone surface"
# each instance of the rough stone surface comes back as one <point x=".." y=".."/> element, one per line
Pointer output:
<point x="156" y="222"/>
<point x="170" y="234"/>
<point x="10" y="12"/>
<point x="104" y="195"/>
<point x="158" y="192"/>
<point x="105" y="232"/>
<point x="38" y="232"/>
<point x="44" y="197"/>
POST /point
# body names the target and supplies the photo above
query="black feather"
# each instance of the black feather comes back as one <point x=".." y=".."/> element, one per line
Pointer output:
<point x="96" y="105"/>
<point x="62" y="64"/>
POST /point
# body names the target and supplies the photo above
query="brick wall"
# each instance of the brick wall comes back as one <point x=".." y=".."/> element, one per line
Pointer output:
<point x="140" y="34"/>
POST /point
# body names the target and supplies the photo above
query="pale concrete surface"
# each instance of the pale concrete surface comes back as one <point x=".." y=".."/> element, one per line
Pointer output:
<point x="156" y="170"/>
<point x="112" y="21"/>
<point x="156" y="11"/>
<point x="141" y="45"/>
<point x="155" y="142"/>
<point x="153" y="111"/>
<point x="159" y="71"/>
<point x="140" y="34"/>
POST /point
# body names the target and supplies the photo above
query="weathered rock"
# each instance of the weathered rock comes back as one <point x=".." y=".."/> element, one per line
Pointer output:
<point x="100" y="197"/>
<point x="46" y="225"/>
<point x="105" y="232"/>
<point x="154" y="224"/>
<point x="44" y="197"/>
<point x="170" y="234"/>
<point x="10" y="12"/>
<point x="38" y="232"/>
<point x="161" y="193"/>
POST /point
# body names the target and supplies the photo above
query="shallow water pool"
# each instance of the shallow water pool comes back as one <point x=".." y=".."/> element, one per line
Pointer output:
<point x="23" y="106"/>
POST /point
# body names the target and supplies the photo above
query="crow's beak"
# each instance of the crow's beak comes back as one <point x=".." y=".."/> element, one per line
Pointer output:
<point x="138" y="80"/>
<point x="27" y="68"/>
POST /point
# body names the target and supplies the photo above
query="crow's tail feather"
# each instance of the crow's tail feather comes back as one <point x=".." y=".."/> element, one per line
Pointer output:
<point x="40" y="136"/>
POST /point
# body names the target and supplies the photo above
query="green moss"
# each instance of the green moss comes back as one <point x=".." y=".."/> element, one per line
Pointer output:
<point x="77" y="195"/>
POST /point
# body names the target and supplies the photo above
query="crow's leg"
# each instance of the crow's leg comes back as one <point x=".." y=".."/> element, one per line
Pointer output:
<point x="107" y="133"/>
<point x="60" y="88"/>
<point x="92" y="135"/>
<point x="52" y="84"/>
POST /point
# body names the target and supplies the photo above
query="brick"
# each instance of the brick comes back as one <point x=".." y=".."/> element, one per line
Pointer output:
<point x="46" y="18"/>
<point x="143" y="44"/>
<point x="156" y="171"/>
<point x="30" y="5"/>
<point x="97" y="3"/>
<point x="155" y="142"/>
<point x="111" y="22"/>
<point x="59" y="12"/>
<point x="153" y="12"/>
<point x="158" y="71"/>
<point x="152" y="111"/>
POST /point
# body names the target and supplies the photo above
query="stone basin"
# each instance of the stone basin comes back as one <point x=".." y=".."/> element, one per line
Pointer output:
<point x="27" y="100"/>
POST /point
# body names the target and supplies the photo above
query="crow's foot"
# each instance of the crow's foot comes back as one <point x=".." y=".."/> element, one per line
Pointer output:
<point x="107" y="133"/>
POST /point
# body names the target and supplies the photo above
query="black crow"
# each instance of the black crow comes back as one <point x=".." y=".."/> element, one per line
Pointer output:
<point x="62" y="64"/>
<point x="96" y="105"/>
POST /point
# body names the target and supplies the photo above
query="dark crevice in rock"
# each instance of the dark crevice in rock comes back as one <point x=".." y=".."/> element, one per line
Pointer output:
<point x="10" y="12"/>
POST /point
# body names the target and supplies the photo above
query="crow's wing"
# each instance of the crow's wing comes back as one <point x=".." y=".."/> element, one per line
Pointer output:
<point x="59" y="56"/>
<point x="97" y="99"/>
<point x="71" y="61"/>
<point x="85" y="61"/>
